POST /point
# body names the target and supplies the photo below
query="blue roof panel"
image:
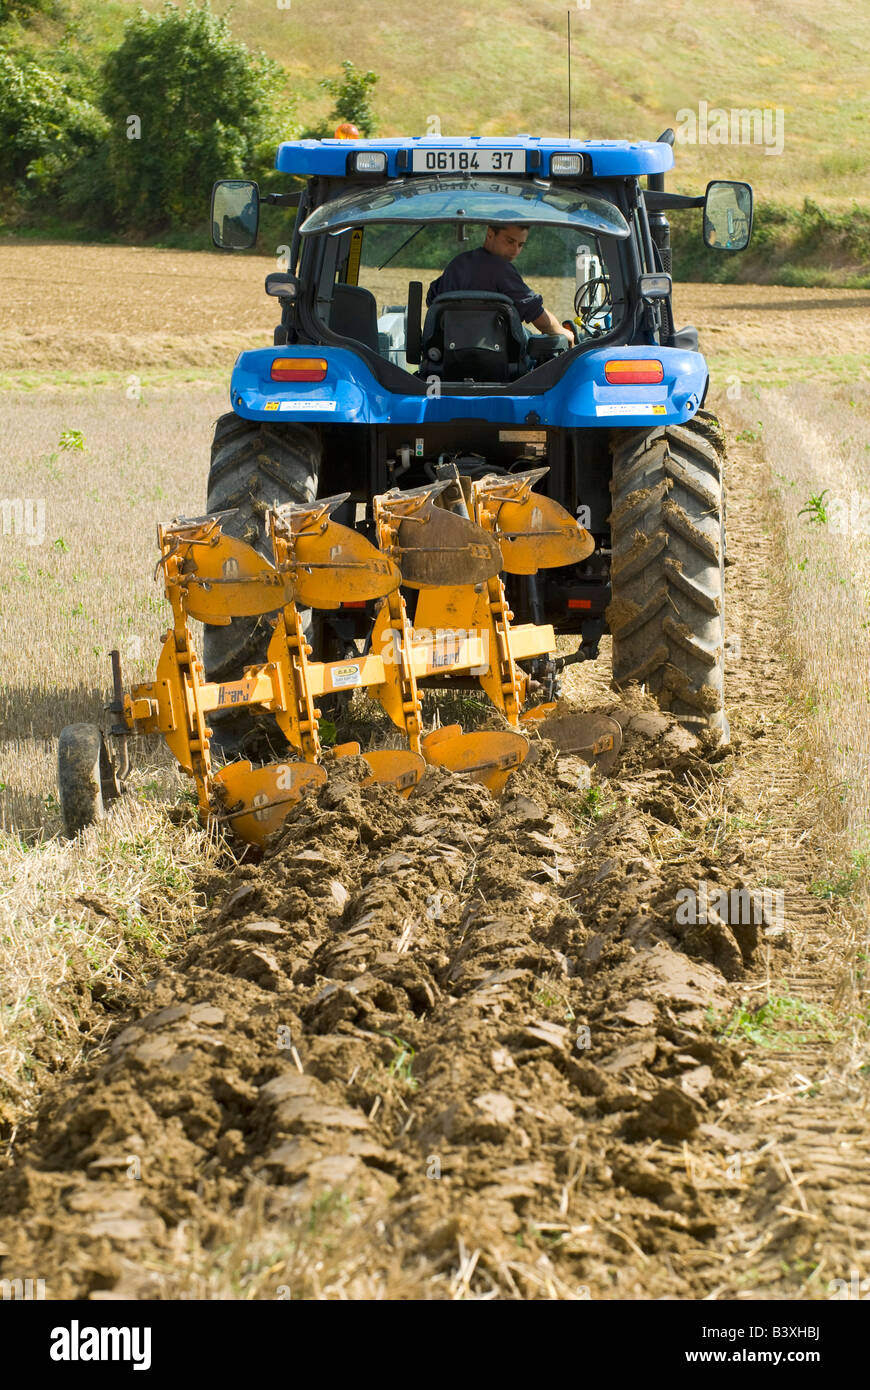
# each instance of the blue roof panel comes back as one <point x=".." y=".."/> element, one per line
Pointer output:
<point x="609" y="158"/>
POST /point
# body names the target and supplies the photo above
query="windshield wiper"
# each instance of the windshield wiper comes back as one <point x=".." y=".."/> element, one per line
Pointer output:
<point x="403" y="245"/>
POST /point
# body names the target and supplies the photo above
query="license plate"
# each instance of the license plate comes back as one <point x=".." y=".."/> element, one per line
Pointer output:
<point x="468" y="161"/>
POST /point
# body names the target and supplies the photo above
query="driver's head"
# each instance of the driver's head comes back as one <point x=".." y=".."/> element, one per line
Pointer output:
<point x="506" y="241"/>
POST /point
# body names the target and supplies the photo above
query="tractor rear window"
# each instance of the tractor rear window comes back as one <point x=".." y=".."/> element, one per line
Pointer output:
<point x="372" y="267"/>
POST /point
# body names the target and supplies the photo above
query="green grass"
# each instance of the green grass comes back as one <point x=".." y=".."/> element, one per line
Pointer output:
<point x="328" y="732"/>
<point x="779" y="1024"/>
<point x="590" y="805"/>
<point x="772" y="369"/>
<point x="815" y="510"/>
<point x="91" y="914"/>
<point x="547" y="998"/>
<point x="329" y="1205"/>
<point x="402" y="1062"/>
<point x="506" y="70"/>
<point x="843" y="884"/>
<point x="749" y="436"/>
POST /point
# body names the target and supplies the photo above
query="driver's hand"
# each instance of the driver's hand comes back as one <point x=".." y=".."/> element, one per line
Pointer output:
<point x="567" y="331"/>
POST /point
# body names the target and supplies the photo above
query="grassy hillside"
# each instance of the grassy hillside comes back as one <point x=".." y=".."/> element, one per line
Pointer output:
<point x="490" y="69"/>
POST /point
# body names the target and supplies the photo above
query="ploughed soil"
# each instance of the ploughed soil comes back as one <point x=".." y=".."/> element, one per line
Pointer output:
<point x="454" y="1046"/>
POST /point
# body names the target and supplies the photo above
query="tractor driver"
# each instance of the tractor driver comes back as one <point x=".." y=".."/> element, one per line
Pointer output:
<point x="490" y="267"/>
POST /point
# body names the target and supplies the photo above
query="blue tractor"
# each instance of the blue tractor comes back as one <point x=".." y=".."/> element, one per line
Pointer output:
<point x="378" y="381"/>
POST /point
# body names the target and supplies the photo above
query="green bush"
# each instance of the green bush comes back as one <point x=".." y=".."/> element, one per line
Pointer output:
<point x="23" y="9"/>
<point x="350" y="95"/>
<point x="46" y="124"/>
<point x="351" y="101"/>
<point x="185" y="104"/>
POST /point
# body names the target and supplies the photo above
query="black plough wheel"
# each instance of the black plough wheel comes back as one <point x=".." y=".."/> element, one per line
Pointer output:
<point x="85" y="777"/>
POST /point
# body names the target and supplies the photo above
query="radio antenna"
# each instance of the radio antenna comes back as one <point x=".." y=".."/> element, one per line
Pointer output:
<point x="569" y="74"/>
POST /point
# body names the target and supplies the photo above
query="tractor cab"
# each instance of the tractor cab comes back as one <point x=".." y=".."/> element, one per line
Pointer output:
<point x="379" y="221"/>
<point x="375" y="252"/>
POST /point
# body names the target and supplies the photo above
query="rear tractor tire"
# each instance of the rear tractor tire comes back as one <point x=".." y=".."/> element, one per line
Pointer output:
<point x="667" y="613"/>
<point x="253" y="467"/>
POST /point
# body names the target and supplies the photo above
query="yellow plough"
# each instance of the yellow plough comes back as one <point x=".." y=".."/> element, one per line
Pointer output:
<point x="451" y="542"/>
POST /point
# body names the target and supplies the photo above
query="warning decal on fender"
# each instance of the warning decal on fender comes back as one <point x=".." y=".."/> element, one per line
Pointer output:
<point x="636" y="408"/>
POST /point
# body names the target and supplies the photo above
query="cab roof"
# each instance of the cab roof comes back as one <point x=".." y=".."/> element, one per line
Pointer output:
<point x="604" y="158"/>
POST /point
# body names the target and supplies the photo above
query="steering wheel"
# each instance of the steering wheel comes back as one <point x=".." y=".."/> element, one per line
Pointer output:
<point x="592" y="298"/>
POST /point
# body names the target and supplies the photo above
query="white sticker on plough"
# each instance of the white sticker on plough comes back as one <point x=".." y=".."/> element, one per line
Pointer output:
<point x="344" y="676"/>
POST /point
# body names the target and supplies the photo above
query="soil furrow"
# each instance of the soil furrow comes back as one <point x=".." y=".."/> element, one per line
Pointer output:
<point x="452" y="1047"/>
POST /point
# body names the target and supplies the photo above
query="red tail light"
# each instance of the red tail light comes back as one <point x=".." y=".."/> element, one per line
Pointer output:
<point x="298" y="368"/>
<point x="634" y="371"/>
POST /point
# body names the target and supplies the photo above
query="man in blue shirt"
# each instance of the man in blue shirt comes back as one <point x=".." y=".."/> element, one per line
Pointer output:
<point x="490" y="267"/>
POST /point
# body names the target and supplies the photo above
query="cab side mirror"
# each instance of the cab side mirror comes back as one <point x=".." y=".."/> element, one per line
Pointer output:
<point x="727" y="215"/>
<point x="235" y="214"/>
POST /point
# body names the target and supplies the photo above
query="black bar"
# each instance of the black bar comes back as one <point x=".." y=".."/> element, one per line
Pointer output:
<point x="825" y="1335"/>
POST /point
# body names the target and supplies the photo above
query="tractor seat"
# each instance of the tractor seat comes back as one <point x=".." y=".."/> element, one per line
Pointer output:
<point x="474" y="335"/>
<point x="354" y="314"/>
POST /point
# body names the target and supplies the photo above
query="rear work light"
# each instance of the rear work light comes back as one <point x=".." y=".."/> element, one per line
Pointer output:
<point x="369" y="161"/>
<point x="633" y="371"/>
<point x="299" y="368"/>
<point x="566" y="164"/>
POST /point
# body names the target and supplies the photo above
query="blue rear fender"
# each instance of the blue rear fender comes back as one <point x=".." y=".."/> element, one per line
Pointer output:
<point x="582" y="398"/>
